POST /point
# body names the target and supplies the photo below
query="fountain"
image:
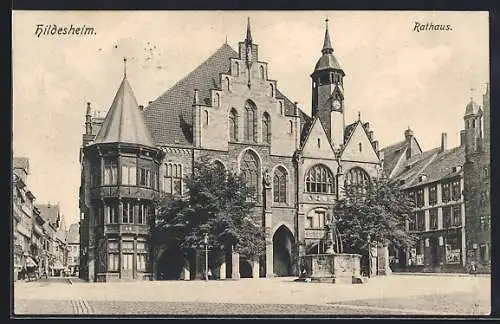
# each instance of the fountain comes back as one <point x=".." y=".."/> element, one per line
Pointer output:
<point x="333" y="266"/>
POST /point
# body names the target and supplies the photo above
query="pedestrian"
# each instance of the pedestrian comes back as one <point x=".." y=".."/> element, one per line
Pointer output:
<point x="473" y="268"/>
<point x="209" y="274"/>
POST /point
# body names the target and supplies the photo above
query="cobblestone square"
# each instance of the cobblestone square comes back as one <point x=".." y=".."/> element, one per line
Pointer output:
<point x="398" y="295"/>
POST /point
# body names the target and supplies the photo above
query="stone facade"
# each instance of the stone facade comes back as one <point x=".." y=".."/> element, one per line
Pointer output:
<point x="477" y="183"/>
<point x="230" y="110"/>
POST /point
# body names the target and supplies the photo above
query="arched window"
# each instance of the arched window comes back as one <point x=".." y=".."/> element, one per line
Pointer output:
<point x="216" y="100"/>
<point x="357" y="179"/>
<point x="319" y="143"/>
<point x="250" y="121"/>
<point x="319" y="179"/>
<point x="282" y="112"/>
<point x="360" y="147"/>
<point x="291" y="126"/>
<point x="233" y="125"/>
<point x="271" y="90"/>
<point x="206" y="117"/>
<point x="279" y="184"/>
<point x="262" y="72"/>
<point x="249" y="167"/>
<point x="266" y="128"/>
<point x="218" y="164"/>
<point x="236" y="68"/>
<point x="226" y="84"/>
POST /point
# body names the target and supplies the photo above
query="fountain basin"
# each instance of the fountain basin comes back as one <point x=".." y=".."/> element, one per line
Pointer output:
<point x="332" y="268"/>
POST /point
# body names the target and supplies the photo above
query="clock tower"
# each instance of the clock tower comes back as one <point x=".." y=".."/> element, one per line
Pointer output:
<point x="328" y="93"/>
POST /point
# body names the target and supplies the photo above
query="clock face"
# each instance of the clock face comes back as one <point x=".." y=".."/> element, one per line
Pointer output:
<point x="336" y="104"/>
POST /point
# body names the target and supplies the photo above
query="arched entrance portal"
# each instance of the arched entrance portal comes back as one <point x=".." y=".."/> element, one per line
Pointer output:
<point x="170" y="264"/>
<point x="282" y="252"/>
<point x="245" y="269"/>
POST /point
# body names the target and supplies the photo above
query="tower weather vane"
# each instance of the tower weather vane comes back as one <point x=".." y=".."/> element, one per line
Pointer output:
<point x="124" y="66"/>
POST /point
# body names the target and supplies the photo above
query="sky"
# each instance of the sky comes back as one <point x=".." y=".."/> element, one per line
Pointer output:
<point x="396" y="77"/>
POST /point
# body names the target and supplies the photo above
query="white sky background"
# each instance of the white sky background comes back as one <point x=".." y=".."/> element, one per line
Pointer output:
<point x="394" y="76"/>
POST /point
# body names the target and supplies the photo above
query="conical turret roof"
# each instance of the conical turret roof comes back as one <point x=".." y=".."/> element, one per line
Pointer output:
<point x="124" y="122"/>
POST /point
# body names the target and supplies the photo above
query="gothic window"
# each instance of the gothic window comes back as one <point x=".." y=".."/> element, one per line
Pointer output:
<point x="249" y="168"/>
<point x="216" y="100"/>
<point x="113" y="261"/>
<point x="226" y="84"/>
<point x="433" y="218"/>
<point x="110" y="172"/>
<point x="360" y="147"/>
<point x="420" y="197"/>
<point x="319" y="179"/>
<point x="446" y="216"/>
<point x="266" y="128"/>
<point x="172" y="183"/>
<point x="111" y="213"/>
<point x="455" y="189"/>
<point x="433" y="195"/>
<point x="280" y="184"/>
<point x="128" y="213"/>
<point x="233" y="125"/>
<point x="357" y="180"/>
<point x="145" y="177"/>
<point x="316" y="219"/>
<point x="457" y="215"/>
<point x="250" y="122"/>
<point x="271" y="90"/>
<point x="206" y="117"/>
<point x="319" y="143"/>
<point x="291" y="126"/>
<point x="282" y="112"/>
<point x="445" y="192"/>
<point x="236" y="68"/>
<point x="262" y="73"/>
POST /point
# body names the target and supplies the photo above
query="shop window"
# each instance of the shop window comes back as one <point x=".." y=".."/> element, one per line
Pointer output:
<point x="453" y="251"/>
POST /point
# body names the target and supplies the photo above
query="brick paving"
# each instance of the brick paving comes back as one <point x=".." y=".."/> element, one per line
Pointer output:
<point x="395" y="295"/>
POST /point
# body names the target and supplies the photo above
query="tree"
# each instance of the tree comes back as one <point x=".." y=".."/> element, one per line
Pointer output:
<point x="376" y="213"/>
<point x="218" y="203"/>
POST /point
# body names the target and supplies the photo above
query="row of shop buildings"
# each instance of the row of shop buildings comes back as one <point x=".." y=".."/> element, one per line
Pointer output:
<point x="40" y="238"/>
<point x="451" y="191"/>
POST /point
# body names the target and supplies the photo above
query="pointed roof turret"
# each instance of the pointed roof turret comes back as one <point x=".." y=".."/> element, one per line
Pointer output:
<point x="327" y="44"/>
<point x="248" y="39"/>
<point x="124" y="122"/>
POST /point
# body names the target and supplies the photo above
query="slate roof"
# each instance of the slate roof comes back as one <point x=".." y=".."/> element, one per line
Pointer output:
<point x="73" y="234"/>
<point x="49" y="213"/>
<point x="392" y="154"/>
<point x="124" y="122"/>
<point x="20" y="163"/>
<point x="434" y="164"/>
<point x="169" y="117"/>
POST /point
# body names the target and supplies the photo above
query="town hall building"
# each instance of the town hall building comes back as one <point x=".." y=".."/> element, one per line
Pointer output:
<point x="229" y="110"/>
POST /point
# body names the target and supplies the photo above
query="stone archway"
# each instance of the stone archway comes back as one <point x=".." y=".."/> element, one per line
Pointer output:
<point x="283" y="252"/>
<point x="245" y="269"/>
<point x="170" y="264"/>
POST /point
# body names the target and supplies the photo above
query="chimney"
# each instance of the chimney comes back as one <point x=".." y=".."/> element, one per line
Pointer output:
<point x="150" y="102"/>
<point x="88" y="120"/>
<point x="408" y="137"/>
<point x="296" y="108"/>
<point x="196" y="100"/>
<point x="141" y="107"/>
<point x="443" y="142"/>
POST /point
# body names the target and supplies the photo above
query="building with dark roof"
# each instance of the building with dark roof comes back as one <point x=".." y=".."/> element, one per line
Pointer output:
<point x="447" y="198"/>
<point x="477" y="182"/>
<point x="230" y="110"/>
<point x="73" y="241"/>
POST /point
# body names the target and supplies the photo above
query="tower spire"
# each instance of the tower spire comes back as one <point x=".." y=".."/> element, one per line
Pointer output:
<point x="248" y="39"/>
<point x="124" y="67"/>
<point x="327" y="44"/>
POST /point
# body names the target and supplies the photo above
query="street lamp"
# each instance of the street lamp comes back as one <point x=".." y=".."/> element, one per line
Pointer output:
<point x="206" y="256"/>
<point x="369" y="257"/>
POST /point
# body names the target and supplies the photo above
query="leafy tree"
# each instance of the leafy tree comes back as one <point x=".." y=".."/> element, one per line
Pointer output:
<point x="218" y="203"/>
<point x="377" y="213"/>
